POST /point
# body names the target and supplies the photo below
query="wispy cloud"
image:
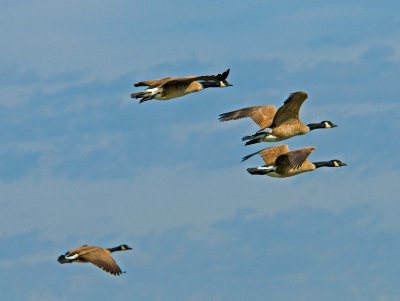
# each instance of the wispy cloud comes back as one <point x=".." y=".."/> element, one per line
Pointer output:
<point x="160" y="198"/>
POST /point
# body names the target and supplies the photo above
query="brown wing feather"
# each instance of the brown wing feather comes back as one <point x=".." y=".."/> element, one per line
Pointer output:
<point x="262" y="115"/>
<point x="191" y="78"/>
<point x="185" y="79"/>
<point x="293" y="159"/>
<point x="269" y="154"/>
<point x="82" y="250"/>
<point x="103" y="260"/>
<point x="290" y="109"/>
<point x="154" y="82"/>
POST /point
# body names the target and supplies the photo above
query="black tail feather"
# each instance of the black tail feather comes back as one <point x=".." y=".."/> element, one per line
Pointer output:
<point x="254" y="141"/>
<point x="256" y="171"/>
<point x="144" y="96"/>
<point x="138" y="95"/>
<point x="247" y="138"/>
<point x="62" y="259"/>
<point x="256" y="138"/>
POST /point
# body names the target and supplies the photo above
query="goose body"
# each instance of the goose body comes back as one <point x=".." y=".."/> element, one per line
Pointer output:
<point x="276" y="125"/>
<point x="282" y="163"/>
<point x="96" y="255"/>
<point x="174" y="87"/>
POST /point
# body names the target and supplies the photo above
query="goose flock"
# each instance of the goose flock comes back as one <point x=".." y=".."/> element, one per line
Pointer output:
<point x="275" y="125"/>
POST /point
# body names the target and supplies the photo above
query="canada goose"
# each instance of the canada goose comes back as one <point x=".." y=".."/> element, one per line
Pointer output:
<point x="96" y="255"/>
<point x="282" y="163"/>
<point x="173" y="87"/>
<point x="277" y="125"/>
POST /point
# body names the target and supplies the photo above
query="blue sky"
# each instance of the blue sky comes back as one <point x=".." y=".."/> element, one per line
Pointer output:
<point x="81" y="163"/>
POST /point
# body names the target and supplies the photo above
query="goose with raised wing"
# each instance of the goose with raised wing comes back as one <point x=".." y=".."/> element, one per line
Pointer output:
<point x="173" y="87"/>
<point x="282" y="163"/>
<point x="96" y="255"/>
<point x="277" y="125"/>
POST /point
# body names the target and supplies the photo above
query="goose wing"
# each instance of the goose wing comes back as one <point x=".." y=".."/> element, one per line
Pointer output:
<point x="262" y="115"/>
<point x="270" y="154"/>
<point x="80" y="250"/>
<point x="290" y="109"/>
<point x="154" y="82"/>
<point x="293" y="159"/>
<point x="102" y="259"/>
<point x="192" y="78"/>
<point x="185" y="79"/>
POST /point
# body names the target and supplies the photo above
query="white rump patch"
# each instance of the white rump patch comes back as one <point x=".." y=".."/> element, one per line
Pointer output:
<point x="153" y="91"/>
<point x="71" y="257"/>
<point x="266" y="167"/>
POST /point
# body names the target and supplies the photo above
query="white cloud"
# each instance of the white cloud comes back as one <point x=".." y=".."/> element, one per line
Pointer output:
<point x="106" y="40"/>
<point x="159" y="199"/>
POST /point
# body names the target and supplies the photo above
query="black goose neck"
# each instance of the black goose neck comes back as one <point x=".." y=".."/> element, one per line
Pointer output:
<point x="210" y="84"/>
<point x="322" y="164"/>
<point x="114" y="249"/>
<point x="314" y="126"/>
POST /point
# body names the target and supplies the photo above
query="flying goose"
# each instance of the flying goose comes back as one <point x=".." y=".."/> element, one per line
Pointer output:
<point x="98" y="256"/>
<point x="276" y="125"/>
<point x="173" y="87"/>
<point x="282" y="163"/>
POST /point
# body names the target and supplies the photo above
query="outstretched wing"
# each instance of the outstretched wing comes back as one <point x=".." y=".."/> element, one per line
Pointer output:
<point x="293" y="159"/>
<point x="186" y="79"/>
<point x="103" y="260"/>
<point x="82" y="249"/>
<point x="154" y="82"/>
<point x="191" y="78"/>
<point x="290" y="109"/>
<point x="270" y="154"/>
<point x="262" y="115"/>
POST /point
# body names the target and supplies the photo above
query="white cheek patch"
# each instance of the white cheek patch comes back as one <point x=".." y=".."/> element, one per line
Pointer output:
<point x="327" y="125"/>
<point x="335" y="164"/>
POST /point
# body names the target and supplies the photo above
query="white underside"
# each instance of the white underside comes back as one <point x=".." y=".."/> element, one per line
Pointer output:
<point x="292" y="173"/>
<point x="157" y="92"/>
<point x="271" y="138"/>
